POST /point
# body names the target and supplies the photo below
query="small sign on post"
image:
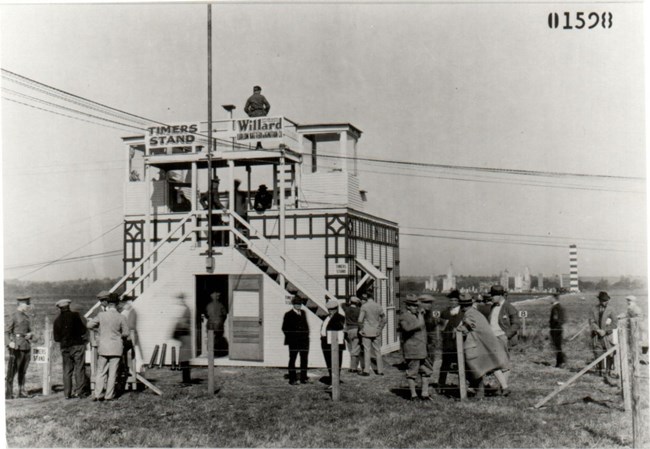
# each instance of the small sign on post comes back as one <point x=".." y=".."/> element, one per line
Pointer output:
<point x="39" y="354"/>
<point x="523" y="314"/>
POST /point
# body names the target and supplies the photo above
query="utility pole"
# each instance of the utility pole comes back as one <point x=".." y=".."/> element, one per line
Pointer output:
<point x="209" y="263"/>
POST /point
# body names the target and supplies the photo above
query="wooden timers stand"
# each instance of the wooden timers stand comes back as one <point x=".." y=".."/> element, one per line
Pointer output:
<point x="628" y="364"/>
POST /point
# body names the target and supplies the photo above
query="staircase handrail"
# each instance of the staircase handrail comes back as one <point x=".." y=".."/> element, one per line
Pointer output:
<point x="285" y="258"/>
<point x="137" y="266"/>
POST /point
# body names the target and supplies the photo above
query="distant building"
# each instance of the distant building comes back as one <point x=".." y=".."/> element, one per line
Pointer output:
<point x="449" y="281"/>
<point x="540" y="282"/>
<point x="505" y="279"/>
<point x="431" y="284"/>
<point x="527" y="280"/>
<point x="519" y="282"/>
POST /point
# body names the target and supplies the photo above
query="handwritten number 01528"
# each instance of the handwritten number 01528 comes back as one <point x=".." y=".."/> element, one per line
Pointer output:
<point x="579" y="20"/>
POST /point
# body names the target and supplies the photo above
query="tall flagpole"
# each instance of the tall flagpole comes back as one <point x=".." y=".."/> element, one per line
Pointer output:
<point x="209" y="264"/>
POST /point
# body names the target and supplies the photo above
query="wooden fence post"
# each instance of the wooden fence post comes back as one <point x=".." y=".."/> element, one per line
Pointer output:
<point x="624" y="371"/>
<point x="47" y="366"/>
<point x="523" y="328"/>
<point x="634" y="373"/>
<point x="334" y="345"/>
<point x="461" y="366"/>
<point x="210" y="362"/>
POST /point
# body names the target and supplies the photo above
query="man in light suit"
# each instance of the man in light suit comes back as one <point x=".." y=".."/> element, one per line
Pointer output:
<point x="112" y="328"/>
<point x="372" y="320"/>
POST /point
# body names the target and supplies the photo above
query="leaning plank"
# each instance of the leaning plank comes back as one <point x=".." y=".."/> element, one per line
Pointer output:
<point x="155" y="389"/>
<point x="576" y="377"/>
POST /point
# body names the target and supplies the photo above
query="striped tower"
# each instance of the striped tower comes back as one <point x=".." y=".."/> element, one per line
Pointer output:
<point x="573" y="268"/>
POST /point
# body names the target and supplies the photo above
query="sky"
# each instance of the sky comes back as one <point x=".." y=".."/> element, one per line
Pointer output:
<point x="442" y="85"/>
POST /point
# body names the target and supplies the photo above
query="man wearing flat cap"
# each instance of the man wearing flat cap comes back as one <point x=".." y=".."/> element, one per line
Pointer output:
<point x="602" y="323"/>
<point x="296" y="336"/>
<point x="18" y="336"/>
<point x="69" y="331"/>
<point x="333" y="322"/>
<point x="414" y="336"/>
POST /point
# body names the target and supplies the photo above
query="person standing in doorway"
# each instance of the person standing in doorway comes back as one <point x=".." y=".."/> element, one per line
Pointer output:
<point x="217" y="313"/>
<point x="112" y="329"/>
<point x="296" y="336"/>
<point x="372" y="320"/>
<point x="556" y="325"/>
<point x="18" y="336"/>
<point x="69" y="331"/>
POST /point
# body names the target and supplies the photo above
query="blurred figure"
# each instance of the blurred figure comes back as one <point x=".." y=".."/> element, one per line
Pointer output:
<point x="452" y="317"/>
<point x="112" y="329"/>
<point x="263" y="199"/>
<point x="69" y="331"/>
<point x="634" y="311"/>
<point x="182" y="333"/>
<point x="296" y="335"/>
<point x="484" y="354"/>
<point x="414" y="334"/>
<point x="18" y="336"/>
<point x="556" y="325"/>
<point x="602" y="323"/>
<point x="352" y="312"/>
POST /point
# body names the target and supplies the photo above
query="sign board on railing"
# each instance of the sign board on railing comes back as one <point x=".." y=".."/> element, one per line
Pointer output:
<point x="161" y="139"/>
<point x="39" y="354"/>
<point x="258" y="128"/>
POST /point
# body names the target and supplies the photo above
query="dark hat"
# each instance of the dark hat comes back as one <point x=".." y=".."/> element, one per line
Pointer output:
<point x="257" y="88"/>
<point x="454" y="294"/>
<point x="465" y="299"/>
<point x="411" y="302"/>
<point x="61" y="303"/>
<point x="426" y="298"/>
<point x="497" y="290"/>
<point x="103" y="295"/>
<point x="262" y="187"/>
<point x="603" y="296"/>
<point x="24" y="299"/>
<point x="113" y="299"/>
<point x="296" y="300"/>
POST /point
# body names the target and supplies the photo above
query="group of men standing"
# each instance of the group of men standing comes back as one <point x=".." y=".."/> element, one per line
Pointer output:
<point x="361" y="328"/>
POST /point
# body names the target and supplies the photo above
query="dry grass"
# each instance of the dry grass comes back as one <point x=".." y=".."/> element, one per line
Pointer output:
<point x="256" y="407"/>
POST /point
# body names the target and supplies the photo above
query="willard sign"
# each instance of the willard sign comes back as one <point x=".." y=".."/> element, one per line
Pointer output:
<point x="259" y="128"/>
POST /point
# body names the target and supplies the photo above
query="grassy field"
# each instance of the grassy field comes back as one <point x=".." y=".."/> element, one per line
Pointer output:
<point x="256" y="407"/>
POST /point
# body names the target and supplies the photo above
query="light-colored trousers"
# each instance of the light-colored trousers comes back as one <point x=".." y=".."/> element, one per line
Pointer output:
<point x="106" y="376"/>
<point x="375" y="344"/>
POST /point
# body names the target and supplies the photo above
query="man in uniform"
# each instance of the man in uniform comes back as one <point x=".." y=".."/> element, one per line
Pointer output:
<point x="296" y="335"/>
<point x="602" y="323"/>
<point x="556" y="325"/>
<point x="256" y="105"/>
<point x="18" y="335"/>
<point x="414" y="334"/>
<point x="69" y="331"/>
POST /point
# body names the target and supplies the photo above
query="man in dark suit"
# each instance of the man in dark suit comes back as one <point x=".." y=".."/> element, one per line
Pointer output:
<point x="602" y="322"/>
<point x="333" y="322"/>
<point x="296" y="335"/>
<point x="69" y="331"/>
<point x="556" y="325"/>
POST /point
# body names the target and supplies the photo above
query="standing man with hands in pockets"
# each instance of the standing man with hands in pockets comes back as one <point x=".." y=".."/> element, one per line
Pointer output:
<point x="372" y="320"/>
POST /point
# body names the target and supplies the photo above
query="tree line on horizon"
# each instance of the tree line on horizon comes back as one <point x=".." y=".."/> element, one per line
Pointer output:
<point x="77" y="287"/>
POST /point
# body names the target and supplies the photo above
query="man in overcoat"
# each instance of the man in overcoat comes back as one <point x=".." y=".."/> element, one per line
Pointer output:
<point x="556" y="325"/>
<point x="352" y="338"/>
<point x="18" y="336"/>
<point x="69" y="331"/>
<point x="484" y="354"/>
<point x="504" y="320"/>
<point x="333" y="322"/>
<point x="414" y="336"/>
<point x="372" y="320"/>
<point x="602" y="322"/>
<point x="452" y="317"/>
<point x="431" y="321"/>
<point x="113" y="327"/>
<point x="296" y="336"/>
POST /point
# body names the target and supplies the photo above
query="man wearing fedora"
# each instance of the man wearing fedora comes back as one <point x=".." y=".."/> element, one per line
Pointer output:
<point x="296" y="336"/>
<point x="414" y="335"/>
<point x="69" y="331"/>
<point x="504" y="320"/>
<point x="113" y="327"/>
<point x="18" y="336"/>
<point x="602" y="323"/>
<point x="333" y="322"/>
